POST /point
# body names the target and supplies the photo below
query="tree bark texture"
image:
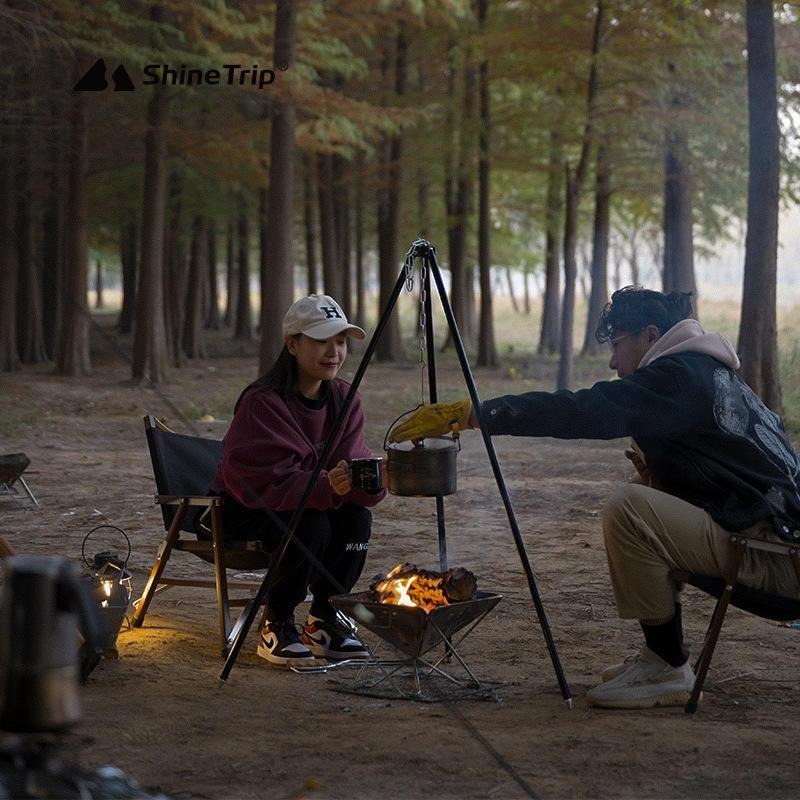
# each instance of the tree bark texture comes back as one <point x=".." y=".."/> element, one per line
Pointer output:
<point x="278" y="294"/>
<point x="230" y="272"/>
<point x="98" y="284"/>
<point x="192" y="337"/>
<point x="213" y="321"/>
<point x="128" y="256"/>
<point x="361" y="289"/>
<point x="341" y="208"/>
<point x="458" y="195"/>
<point x="175" y="269"/>
<point x="53" y="229"/>
<point x="678" y="239"/>
<point x="758" y="345"/>
<point x="598" y="295"/>
<point x="551" y="311"/>
<point x="487" y="351"/>
<point x="243" y="328"/>
<point x="389" y="347"/>
<point x="150" y="341"/>
<point x="30" y="329"/>
<point x="9" y="357"/>
<point x="312" y="272"/>
<point x="327" y="226"/>
<point x="574" y="186"/>
<point x="73" y="340"/>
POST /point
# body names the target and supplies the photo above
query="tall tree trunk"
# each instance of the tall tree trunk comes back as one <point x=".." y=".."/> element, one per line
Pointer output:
<point x="308" y="225"/>
<point x="678" y="272"/>
<point x="574" y="186"/>
<point x="389" y="347"/>
<point x="327" y="226"/>
<point x="53" y="229"/>
<point x="758" y="346"/>
<point x="341" y="209"/>
<point x="128" y="256"/>
<point x="9" y="358"/>
<point x="192" y="338"/>
<point x="243" y="328"/>
<point x="279" y="294"/>
<point x="175" y="269"/>
<point x="487" y="351"/>
<point x="150" y="340"/>
<point x="73" y="341"/>
<point x="230" y="272"/>
<point x="212" y="314"/>
<point x="598" y="296"/>
<point x="551" y="310"/>
<point x="510" y="284"/>
<point x="30" y="328"/>
<point x="458" y="201"/>
<point x="526" y="277"/>
<point x="98" y="284"/>
<point x="361" y="289"/>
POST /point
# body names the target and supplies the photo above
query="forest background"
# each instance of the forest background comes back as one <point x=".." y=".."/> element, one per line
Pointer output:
<point x="564" y="149"/>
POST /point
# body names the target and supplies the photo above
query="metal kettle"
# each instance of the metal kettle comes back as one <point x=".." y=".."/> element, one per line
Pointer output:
<point x="42" y="604"/>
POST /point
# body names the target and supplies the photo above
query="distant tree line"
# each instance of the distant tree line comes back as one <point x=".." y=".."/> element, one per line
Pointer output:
<point x="531" y="135"/>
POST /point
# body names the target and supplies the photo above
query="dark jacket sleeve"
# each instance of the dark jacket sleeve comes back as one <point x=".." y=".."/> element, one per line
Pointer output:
<point x="650" y="402"/>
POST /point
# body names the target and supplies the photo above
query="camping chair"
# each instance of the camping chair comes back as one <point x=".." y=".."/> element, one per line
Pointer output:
<point x="184" y="467"/>
<point x="12" y="465"/>
<point x="730" y="592"/>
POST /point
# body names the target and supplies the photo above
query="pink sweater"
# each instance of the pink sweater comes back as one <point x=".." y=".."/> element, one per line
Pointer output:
<point x="272" y="446"/>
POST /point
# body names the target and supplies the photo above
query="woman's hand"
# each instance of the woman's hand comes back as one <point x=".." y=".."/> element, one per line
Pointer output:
<point x="339" y="478"/>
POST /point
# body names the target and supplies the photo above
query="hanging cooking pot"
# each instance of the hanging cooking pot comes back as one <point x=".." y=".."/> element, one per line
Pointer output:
<point x="421" y="469"/>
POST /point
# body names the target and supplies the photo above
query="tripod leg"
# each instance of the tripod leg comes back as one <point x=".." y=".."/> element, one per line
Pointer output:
<point x="501" y="484"/>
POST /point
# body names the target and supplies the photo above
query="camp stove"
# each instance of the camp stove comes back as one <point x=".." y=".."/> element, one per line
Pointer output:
<point x="414" y="633"/>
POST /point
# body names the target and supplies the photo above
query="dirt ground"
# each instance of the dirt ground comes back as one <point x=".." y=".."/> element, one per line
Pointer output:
<point x="160" y="713"/>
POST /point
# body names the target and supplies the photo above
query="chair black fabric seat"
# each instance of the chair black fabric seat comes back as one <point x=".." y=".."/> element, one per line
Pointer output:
<point x="184" y="467"/>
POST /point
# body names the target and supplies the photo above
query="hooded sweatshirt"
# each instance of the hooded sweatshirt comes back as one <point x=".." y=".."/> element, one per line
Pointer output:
<point x="705" y="435"/>
<point x="272" y="447"/>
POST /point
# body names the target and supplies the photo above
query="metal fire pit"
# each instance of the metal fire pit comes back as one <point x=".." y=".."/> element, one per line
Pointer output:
<point x="413" y="632"/>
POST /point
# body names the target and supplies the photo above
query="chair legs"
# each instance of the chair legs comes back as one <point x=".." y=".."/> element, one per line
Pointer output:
<point x="738" y="547"/>
<point x="223" y="605"/>
<point x="143" y="603"/>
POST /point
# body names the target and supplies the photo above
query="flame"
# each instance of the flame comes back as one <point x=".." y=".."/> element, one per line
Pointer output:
<point x="397" y="591"/>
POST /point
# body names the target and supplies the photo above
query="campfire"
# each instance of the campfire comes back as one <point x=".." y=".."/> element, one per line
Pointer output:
<point x="408" y="585"/>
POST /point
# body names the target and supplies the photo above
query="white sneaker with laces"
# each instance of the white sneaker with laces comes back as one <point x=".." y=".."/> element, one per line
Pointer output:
<point x="609" y="673"/>
<point x="647" y="682"/>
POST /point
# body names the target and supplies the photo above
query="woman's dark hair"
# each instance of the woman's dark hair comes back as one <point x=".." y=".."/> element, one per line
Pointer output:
<point x="633" y="308"/>
<point x="282" y="377"/>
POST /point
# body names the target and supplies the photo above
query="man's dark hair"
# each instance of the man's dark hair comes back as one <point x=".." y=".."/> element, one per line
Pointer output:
<point x="633" y="308"/>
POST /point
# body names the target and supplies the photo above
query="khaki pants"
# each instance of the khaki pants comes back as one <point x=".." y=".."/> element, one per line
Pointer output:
<point x="648" y="533"/>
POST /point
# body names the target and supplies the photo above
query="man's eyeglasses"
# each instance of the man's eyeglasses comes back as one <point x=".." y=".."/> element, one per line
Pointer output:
<point x="612" y="343"/>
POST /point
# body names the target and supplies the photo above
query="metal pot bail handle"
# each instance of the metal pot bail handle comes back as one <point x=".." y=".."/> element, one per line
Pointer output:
<point x="97" y="528"/>
<point x="394" y="423"/>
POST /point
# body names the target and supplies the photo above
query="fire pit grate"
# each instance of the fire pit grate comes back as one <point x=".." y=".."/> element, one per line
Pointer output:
<point x="414" y="633"/>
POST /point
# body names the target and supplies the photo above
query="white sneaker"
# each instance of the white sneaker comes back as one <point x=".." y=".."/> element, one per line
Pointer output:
<point x="279" y="643"/>
<point x="609" y="673"/>
<point x="647" y="682"/>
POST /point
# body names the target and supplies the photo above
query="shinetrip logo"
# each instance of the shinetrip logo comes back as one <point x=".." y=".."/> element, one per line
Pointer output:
<point x="163" y="74"/>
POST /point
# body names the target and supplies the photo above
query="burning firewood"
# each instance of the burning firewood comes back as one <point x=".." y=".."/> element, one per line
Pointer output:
<point x="408" y="585"/>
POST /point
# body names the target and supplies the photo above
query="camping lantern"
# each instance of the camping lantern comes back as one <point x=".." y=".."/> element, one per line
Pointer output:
<point x="111" y="588"/>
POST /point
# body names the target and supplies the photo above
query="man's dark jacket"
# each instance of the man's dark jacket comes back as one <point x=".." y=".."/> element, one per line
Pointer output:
<point x="706" y="437"/>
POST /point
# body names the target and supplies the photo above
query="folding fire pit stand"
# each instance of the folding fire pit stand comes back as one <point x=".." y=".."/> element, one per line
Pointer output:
<point x="414" y="633"/>
<point x="423" y="250"/>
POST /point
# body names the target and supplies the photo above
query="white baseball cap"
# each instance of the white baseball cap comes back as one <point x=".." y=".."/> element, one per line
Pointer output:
<point x="319" y="317"/>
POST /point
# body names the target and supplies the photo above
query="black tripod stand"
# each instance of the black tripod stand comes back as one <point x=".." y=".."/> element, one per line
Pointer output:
<point x="423" y="250"/>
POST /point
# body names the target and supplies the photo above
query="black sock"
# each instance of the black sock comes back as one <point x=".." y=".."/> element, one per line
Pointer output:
<point x="666" y="640"/>
<point x="321" y="609"/>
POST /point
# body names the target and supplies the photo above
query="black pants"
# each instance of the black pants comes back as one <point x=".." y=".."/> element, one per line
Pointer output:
<point x="336" y="538"/>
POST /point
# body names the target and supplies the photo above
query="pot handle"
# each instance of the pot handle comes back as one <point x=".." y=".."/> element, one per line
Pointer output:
<point x="456" y="433"/>
<point x="392" y="426"/>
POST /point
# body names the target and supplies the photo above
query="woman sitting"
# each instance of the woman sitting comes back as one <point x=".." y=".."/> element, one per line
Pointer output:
<point x="280" y="425"/>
